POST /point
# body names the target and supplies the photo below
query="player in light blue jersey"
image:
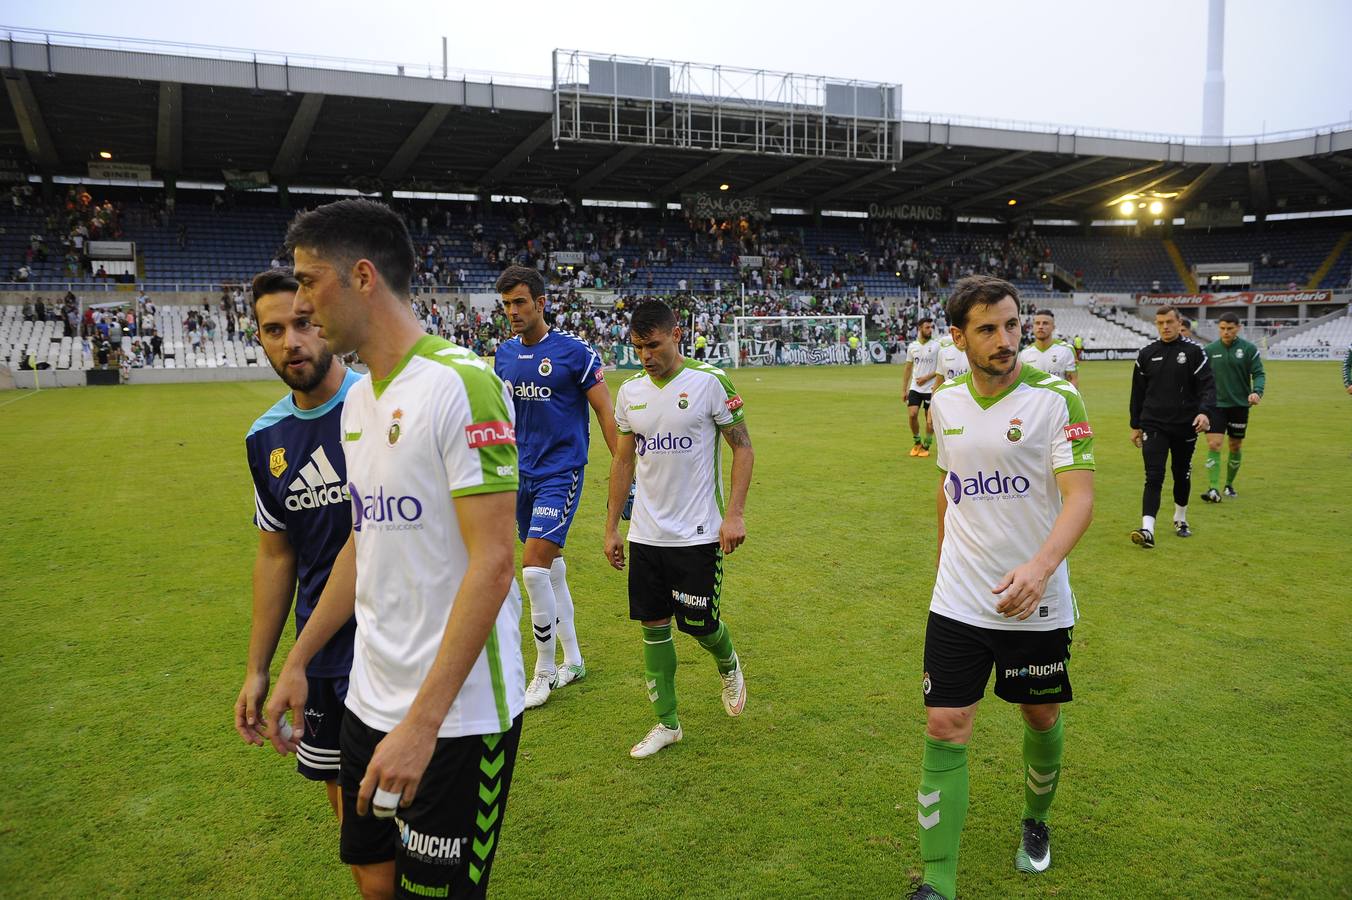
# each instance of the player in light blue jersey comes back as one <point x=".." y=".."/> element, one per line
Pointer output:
<point x="553" y="376"/>
<point x="303" y="515"/>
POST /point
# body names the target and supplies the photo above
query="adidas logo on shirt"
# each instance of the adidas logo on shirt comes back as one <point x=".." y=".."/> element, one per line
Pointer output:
<point x="317" y="484"/>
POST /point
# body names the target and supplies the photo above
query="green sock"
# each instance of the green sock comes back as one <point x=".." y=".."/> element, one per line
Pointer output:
<point x="1042" y="761"/>
<point x="659" y="670"/>
<point x="720" y="645"/>
<point x="943" y="808"/>
<point x="1213" y="468"/>
<point x="1232" y="467"/>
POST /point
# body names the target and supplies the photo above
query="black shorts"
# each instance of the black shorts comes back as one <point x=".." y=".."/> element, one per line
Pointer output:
<point x="317" y="758"/>
<point x="1231" y="420"/>
<point x="676" y="582"/>
<point x="915" y="398"/>
<point x="444" y="843"/>
<point x="1030" y="666"/>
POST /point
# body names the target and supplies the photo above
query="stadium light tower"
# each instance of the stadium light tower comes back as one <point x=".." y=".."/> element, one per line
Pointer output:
<point x="1213" y="86"/>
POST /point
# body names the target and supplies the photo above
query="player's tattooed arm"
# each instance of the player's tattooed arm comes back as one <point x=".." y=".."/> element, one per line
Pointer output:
<point x="737" y="436"/>
<point x="733" y="531"/>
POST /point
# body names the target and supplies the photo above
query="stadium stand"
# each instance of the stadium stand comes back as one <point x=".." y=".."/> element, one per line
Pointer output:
<point x="206" y="239"/>
<point x="1280" y="258"/>
<point x="1098" y="331"/>
<point x="1327" y="339"/>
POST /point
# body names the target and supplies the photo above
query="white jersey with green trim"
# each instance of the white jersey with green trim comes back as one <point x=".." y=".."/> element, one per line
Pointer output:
<point x="675" y="424"/>
<point x="440" y="426"/>
<point x="923" y="356"/>
<point x="952" y="362"/>
<point x="1057" y="359"/>
<point x="1000" y="457"/>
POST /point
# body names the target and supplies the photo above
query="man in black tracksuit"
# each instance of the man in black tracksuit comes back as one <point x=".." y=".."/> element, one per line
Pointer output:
<point x="1172" y="397"/>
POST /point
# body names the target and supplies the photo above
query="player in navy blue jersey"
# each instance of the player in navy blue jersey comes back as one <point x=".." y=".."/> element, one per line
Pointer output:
<point x="304" y="516"/>
<point x="554" y="376"/>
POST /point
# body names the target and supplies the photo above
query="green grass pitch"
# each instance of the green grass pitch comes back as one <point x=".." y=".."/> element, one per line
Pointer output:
<point x="1209" y="752"/>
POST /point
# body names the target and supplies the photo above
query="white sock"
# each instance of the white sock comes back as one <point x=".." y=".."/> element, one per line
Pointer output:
<point x="1148" y="523"/>
<point x="540" y="593"/>
<point x="567" y="630"/>
<point x="1180" y="513"/>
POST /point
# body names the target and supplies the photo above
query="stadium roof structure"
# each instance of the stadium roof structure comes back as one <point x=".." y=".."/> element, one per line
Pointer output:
<point x="190" y="113"/>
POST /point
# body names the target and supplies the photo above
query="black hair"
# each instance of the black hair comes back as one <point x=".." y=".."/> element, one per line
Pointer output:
<point x="1045" y="312"/>
<point x="1187" y="323"/>
<point x="514" y="276"/>
<point x="650" y="316"/>
<point x="272" y="281"/>
<point x="1229" y="317"/>
<point x="348" y="230"/>
<point x="929" y="319"/>
<point x="977" y="290"/>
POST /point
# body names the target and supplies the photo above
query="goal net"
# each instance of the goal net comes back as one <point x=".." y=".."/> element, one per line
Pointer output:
<point x="796" y="340"/>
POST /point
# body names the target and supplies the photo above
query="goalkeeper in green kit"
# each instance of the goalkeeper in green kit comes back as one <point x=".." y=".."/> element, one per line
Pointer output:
<point x="1240" y="381"/>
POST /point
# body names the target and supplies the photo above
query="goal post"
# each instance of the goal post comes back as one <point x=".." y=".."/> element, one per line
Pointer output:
<point x="797" y="340"/>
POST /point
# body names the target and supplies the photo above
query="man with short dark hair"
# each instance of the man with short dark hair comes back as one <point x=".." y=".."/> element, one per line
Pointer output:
<point x="1237" y="367"/>
<point x="922" y="356"/>
<point x="1172" y="396"/>
<point x="1015" y="494"/>
<point x="303" y="515"/>
<point x="672" y="415"/>
<point x="1055" y="357"/>
<point x="553" y="377"/>
<point x="436" y="691"/>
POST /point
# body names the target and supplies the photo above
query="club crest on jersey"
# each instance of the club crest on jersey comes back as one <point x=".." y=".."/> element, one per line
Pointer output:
<point x="1239" y="353"/>
<point x="1182" y="357"/>
<point x="545" y="367"/>
<point x="684" y="401"/>
<point x="396" y="428"/>
<point x="1015" y="432"/>
<point x="277" y="462"/>
<point x="926" y="684"/>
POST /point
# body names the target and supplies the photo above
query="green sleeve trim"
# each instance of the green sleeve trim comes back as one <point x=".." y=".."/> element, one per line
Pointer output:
<point x="1086" y="466"/>
<point x="499" y="680"/>
<point x="483" y="391"/>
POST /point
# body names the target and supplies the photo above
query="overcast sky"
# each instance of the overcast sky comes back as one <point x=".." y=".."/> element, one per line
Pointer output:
<point x="1134" y="66"/>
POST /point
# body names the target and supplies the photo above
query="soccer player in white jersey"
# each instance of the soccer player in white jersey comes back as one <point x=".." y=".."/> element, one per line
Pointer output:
<point x="921" y="357"/>
<point x="672" y="415"/>
<point x="553" y="377"/>
<point x="1015" y="494"/>
<point x="437" y="685"/>
<point x="951" y="363"/>
<point x="1055" y="357"/>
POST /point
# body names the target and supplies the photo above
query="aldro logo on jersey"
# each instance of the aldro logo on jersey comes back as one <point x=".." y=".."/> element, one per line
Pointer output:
<point x="662" y="443"/>
<point x="995" y="486"/>
<point x="317" y="484"/>
<point x="532" y="391"/>
<point x="384" y="512"/>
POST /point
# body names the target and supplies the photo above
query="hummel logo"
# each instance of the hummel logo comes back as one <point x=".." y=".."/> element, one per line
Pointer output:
<point x="317" y="484"/>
